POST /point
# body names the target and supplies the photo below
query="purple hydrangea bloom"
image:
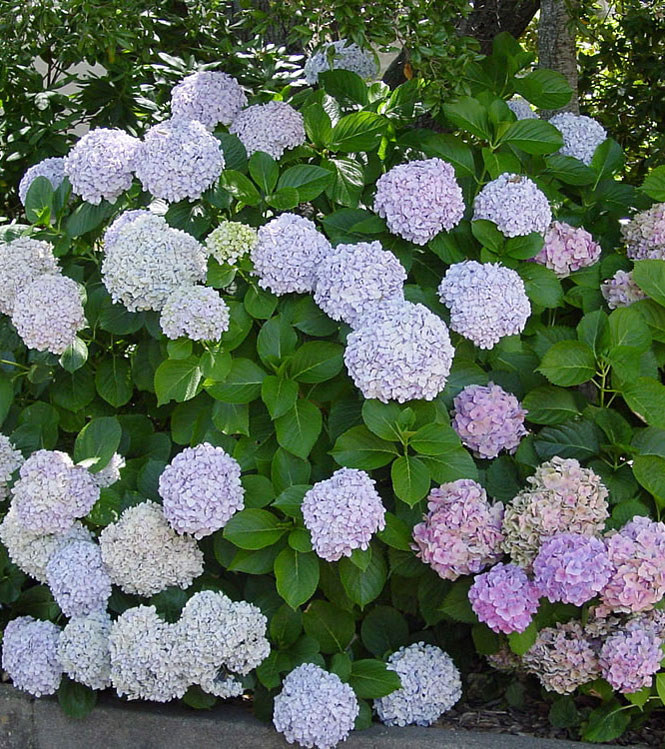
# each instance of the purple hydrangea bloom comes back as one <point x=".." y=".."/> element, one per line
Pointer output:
<point x="488" y="420"/>
<point x="431" y="685"/>
<point x="78" y="579"/>
<point x="49" y="313"/>
<point x="201" y="490"/>
<point x="352" y="278"/>
<point x="21" y="262"/>
<point x="567" y="249"/>
<point x="178" y="159"/>
<point x="211" y="97"/>
<point x="628" y="660"/>
<point x="273" y="128"/>
<point x="83" y="650"/>
<point x="345" y="56"/>
<point x="53" y="169"/>
<point x="288" y="253"/>
<point x="419" y="199"/>
<point x="401" y="352"/>
<point x="122" y="219"/>
<point x="30" y="655"/>
<point x="621" y="290"/>
<point x="11" y="460"/>
<point x="315" y="708"/>
<point x="197" y="312"/>
<point x="461" y="533"/>
<point x="504" y="598"/>
<point x="342" y="513"/>
<point x="521" y="108"/>
<point x="101" y="165"/>
<point x="486" y="301"/>
<point x="571" y="568"/>
<point x="514" y="204"/>
<point x="52" y="492"/>
<point x="581" y="135"/>
<point x="644" y="235"/>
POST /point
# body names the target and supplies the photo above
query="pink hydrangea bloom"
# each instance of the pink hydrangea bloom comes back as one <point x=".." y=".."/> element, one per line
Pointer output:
<point x="567" y="249"/>
<point x="629" y="659"/>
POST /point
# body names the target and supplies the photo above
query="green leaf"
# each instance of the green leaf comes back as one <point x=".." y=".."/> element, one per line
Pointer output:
<point x="660" y="686"/>
<point x="456" y="463"/>
<point x="290" y="500"/>
<point x="331" y="627"/>
<point x="284" y="199"/>
<point x="646" y="398"/>
<point x="197" y="699"/>
<point x="253" y="529"/>
<point x="470" y="115"/>
<point x="344" y="85"/>
<point x="649" y="470"/>
<point x="545" y="89"/>
<point x="242" y="384"/>
<point x="340" y="664"/>
<point x="564" y="713"/>
<point x="451" y="149"/>
<point x="533" y="136"/>
<point x="360" y="131"/>
<point x="298" y="429"/>
<point x="363" y="586"/>
<point x="396" y="534"/>
<point x="654" y="184"/>
<point x="371" y="679"/>
<point x="348" y="181"/>
<point x="568" y="363"/>
<point x="550" y="405"/>
<point x="98" y="440"/>
<point x="179" y="349"/>
<point x="276" y="340"/>
<point x="606" y="722"/>
<point x="592" y="329"/>
<point x="309" y="180"/>
<point x="317" y="125"/>
<point x="240" y="187"/>
<point x="520" y="642"/>
<point x="434" y="439"/>
<point x="649" y="275"/>
<point x="382" y="419"/>
<point x="541" y="285"/>
<point x="525" y="247"/>
<point x="264" y="170"/>
<point x="569" y="170"/>
<point x="410" y="478"/>
<point x="39" y="201"/>
<point x="359" y="448"/>
<point x="574" y="439"/>
<point x="87" y="217"/>
<point x="287" y="470"/>
<point x="316" y="361"/>
<point x="608" y="159"/>
<point x="297" y="576"/>
<point x="383" y="630"/>
<point x="231" y="418"/>
<point x="7" y="397"/>
<point x="178" y="380"/>
<point x="76" y="700"/>
<point x="456" y="603"/>
<point x="485" y="640"/>
<point x="498" y="162"/>
<point x="113" y="381"/>
<point x="627" y="328"/>
<point x="487" y="233"/>
<point x="285" y="626"/>
<point x="259" y="303"/>
<point x="74" y="356"/>
<point x="279" y="395"/>
<point x="235" y="155"/>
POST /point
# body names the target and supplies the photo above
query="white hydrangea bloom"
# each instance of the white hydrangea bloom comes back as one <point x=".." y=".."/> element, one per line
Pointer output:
<point x="197" y="312"/>
<point x="83" y="650"/>
<point x="53" y="169"/>
<point x="521" y="108"/>
<point x="21" y="262"/>
<point x="515" y="204"/>
<point x="10" y="461"/>
<point x="230" y="241"/>
<point x="581" y="135"/>
<point x="273" y="127"/>
<point x="344" y="56"/>
<point x="110" y="473"/>
<point x="209" y="96"/>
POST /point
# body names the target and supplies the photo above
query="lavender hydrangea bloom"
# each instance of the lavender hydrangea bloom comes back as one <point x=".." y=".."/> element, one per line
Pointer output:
<point x="521" y="108"/>
<point x="402" y="352"/>
<point x="148" y="261"/>
<point x="504" y="598"/>
<point x="488" y="420"/>
<point x="567" y="249"/>
<point x="110" y="473"/>
<point x="419" y="199"/>
<point x="352" y="278"/>
<point x="431" y="685"/>
<point x="345" y="56"/>
<point x="571" y="568"/>
<point x="621" y="290"/>
<point x="287" y="254"/>
<point x="562" y="658"/>
<point x="53" y="169"/>
<point x="144" y="555"/>
<point x="486" y="301"/>
<point x="342" y="513"/>
<point x="178" y="159"/>
<point x="52" y="492"/>
<point x="211" y="97"/>
<point x="581" y="135"/>
<point x="30" y="655"/>
<point x="644" y="235"/>
<point x="230" y="241"/>
<point x="461" y="533"/>
<point x="78" y="579"/>
<point x="197" y="312"/>
<point x="21" y="262"/>
<point x="315" y="708"/>
<point x="83" y="650"/>
<point x="10" y="461"/>
<point x="273" y="128"/>
<point x="122" y="219"/>
<point x="201" y="490"/>
<point x="49" y="313"/>
<point x="101" y="165"/>
<point x="514" y="204"/>
<point x="628" y="660"/>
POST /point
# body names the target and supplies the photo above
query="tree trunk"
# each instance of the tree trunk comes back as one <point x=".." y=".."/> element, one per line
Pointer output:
<point x="556" y="46"/>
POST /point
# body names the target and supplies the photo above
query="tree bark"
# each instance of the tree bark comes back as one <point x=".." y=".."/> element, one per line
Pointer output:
<point x="556" y="46"/>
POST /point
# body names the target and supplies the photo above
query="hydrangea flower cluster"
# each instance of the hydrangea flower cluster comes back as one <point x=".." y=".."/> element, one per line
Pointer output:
<point x="83" y="650"/>
<point x="197" y="312"/>
<point x="352" y="278"/>
<point x="53" y="169"/>
<point x="211" y="97"/>
<point x="340" y="55"/>
<point x="230" y="241"/>
<point x="22" y="261"/>
<point x="504" y="598"/>
<point x="461" y="533"/>
<point x="581" y="135"/>
<point x="571" y="568"/>
<point x="122" y="219"/>
<point x="514" y="204"/>
<point x="30" y="655"/>
<point x="287" y="254"/>
<point x="488" y="420"/>
<point x="148" y="260"/>
<point x="563" y="497"/>
<point x="78" y="579"/>
<point x="562" y="658"/>
<point x="49" y="313"/>
<point x="273" y="127"/>
<point x="621" y="290"/>
<point x="52" y="492"/>
<point x="315" y="708"/>
<point x="521" y="108"/>
<point x="629" y="659"/>
<point x="144" y="555"/>
<point x="567" y="249"/>
<point x="178" y="159"/>
<point x="201" y="490"/>
<point x="431" y="685"/>
<point x="101" y="165"/>
<point x="401" y="352"/>
<point x="10" y="461"/>
<point x="644" y="235"/>
<point x="486" y="301"/>
<point x="110" y="473"/>
<point x="419" y="199"/>
<point x="342" y="513"/>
